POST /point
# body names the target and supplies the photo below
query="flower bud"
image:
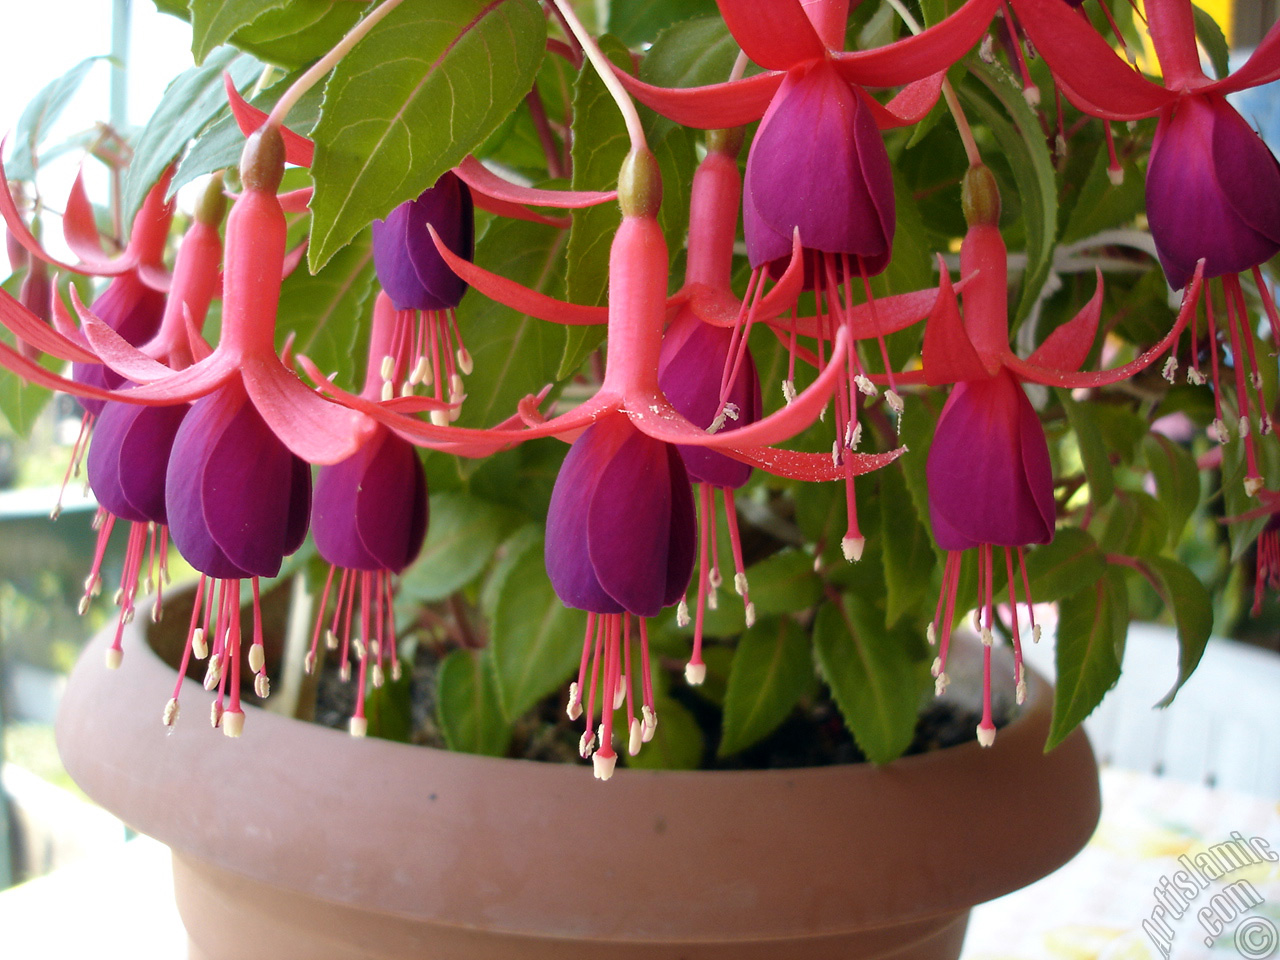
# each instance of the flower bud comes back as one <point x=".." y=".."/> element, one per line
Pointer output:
<point x="262" y="161"/>
<point x="639" y="185"/>
<point x="980" y="197"/>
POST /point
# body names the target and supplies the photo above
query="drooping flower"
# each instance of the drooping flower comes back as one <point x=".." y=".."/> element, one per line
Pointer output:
<point x="423" y="288"/>
<point x="620" y="541"/>
<point x="369" y="520"/>
<point x="988" y="470"/>
<point x="1213" y="186"/>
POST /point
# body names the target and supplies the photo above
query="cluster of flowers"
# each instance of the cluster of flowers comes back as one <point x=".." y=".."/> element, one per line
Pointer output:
<point x="210" y="447"/>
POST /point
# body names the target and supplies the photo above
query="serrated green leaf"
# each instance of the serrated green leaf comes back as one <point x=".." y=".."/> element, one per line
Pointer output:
<point x="1066" y="566"/>
<point x="513" y="355"/>
<point x="460" y="539"/>
<point x="907" y="552"/>
<point x="1093" y="452"/>
<point x="1101" y="204"/>
<point x="329" y="312"/>
<point x="467" y="706"/>
<point x="677" y="744"/>
<point x="536" y="640"/>
<point x="189" y="104"/>
<point x="427" y="85"/>
<point x="1091" y="627"/>
<point x="39" y="115"/>
<point x="636" y="22"/>
<point x="214" y="22"/>
<point x="1214" y="42"/>
<point x="691" y="53"/>
<point x="784" y="583"/>
<point x="1192" y="614"/>
<point x="299" y="32"/>
<point x="1137" y="525"/>
<point x="875" y="675"/>
<point x="219" y="146"/>
<point x="1177" y="480"/>
<point x="1023" y="143"/>
<point x="771" y="668"/>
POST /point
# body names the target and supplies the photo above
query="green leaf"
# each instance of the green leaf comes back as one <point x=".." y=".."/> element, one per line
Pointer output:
<point x="329" y="312"/>
<point x="691" y="53"/>
<point x="427" y="85"/>
<point x="771" y="669"/>
<point x="1023" y="144"/>
<point x="1093" y="452"/>
<point x="1192" y="609"/>
<point x="536" y="640"/>
<point x="389" y="710"/>
<point x="189" y="104"/>
<point x="1101" y="204"/>
<point x="214" y="22"/>
<point x="1137" y="525"/>
<point x="782" y="583"/>
<point x="875" y="675"/>
<point x="635" y="22"/>
<point x="514" y="355"/>
<point x="460" y="539"/>
<point x="907" y="552"/>
<point x="299" y="32"/>
<point x="1066" y="566"/>
<point x="1177" y="481"/>
<point x="677" y="744"/>
<point x="39" y="115"/>
<point x="467" y="708"/>
<point x="1215" y="44"/>
<point x="218" y="147"/>
<point x="1091" y="630"/>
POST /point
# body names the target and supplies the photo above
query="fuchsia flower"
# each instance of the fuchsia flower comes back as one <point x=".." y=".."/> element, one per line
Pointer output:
<point x="989" y="474"/>
<point x="369" y="518"/>
<point x="818" y="167"/>
<point x="423" y="288"/>
<point x="1213" y="186"/>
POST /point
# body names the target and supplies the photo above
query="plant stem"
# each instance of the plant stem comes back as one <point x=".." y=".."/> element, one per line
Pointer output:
<point x="605" y="69"/>
<point x="327" y="62"/>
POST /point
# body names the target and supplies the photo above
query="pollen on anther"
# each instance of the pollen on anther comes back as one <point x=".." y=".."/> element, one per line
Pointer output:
<point x="1252" y="485"/>
<point x="695" y="674"/>
<point x="1170" y="369"/>
<point x="233" y="723"/>
<point x="682" y="613"/>
<point x="604" y="766"/>
<point x="379" y="678"/>
<point x="931" y="634"/>
<point x="262" y="686"/>
<point x="865" y="386"/>
<point x="1195" y="377"/>
<point x="986" y="734"/>
<point x="648" y="723"/>
<point x="586" y="744"/>
<point x="750" y="614"/>
<point x="852" y="548"/>
<point x="788" y="391"/>
<point x="940" y="684"/>
<point x="987" y="638"/>
<point x="1020" y="692"/>
<point x="344" y="672"/>
<point x="213" y="674"/>
<point x="170" y="716"/>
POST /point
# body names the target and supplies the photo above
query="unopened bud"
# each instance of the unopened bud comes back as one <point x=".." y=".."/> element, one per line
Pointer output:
<point x="727" y="141"/>
<point x="212" y="206"/>
<point x="980" y="197"/>
<point x="262" y="160"/>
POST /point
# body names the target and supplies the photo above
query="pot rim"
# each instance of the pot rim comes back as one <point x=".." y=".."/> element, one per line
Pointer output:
<point x="485" y="842"/>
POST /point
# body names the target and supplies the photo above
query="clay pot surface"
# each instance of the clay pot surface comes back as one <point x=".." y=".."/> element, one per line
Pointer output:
<point x="299" y="841"/>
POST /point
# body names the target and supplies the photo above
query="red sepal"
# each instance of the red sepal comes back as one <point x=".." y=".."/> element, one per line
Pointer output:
<point x="777" y="35"/>
<point x="949" y="355"/>
<point x="1068" y="347"/>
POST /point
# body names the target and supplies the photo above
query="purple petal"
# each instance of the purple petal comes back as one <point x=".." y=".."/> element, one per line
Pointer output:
<point x="568" y="560"/>
<point x="370" y="510"/>
<point x="818" y="162"/>
<point x="133" y="310"/>
<point x="690" y="369"/>
<point x="1213" y="192"/>
<point x="682" y="537"/>
<point x="129" y="458"/>
<point x="988" y="468"/>
<point x="410" y="270"/>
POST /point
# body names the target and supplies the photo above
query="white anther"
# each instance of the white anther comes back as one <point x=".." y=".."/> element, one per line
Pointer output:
<point x="464" y="362"/>
<point x="215" y="714"/>
<point x="1195" y="377"/>
<point x="421" y="372"/>
<point x="586" y="744"/>
<point x="603" y="766"/>
<point x="1035" y="633"/>
<point x="1020" y="692"/>
<point x="375" y="649"/>
<point x="127" y="617"/>
<point x="118" y="597"/>
<point x="714" y="578"/>
<point x="987" y="638"/>
<point x="388" y="367"/>
<point x="620" y="693"/>
<point x="853" y="435"/>
<point x="257" y="658"/>
<point x="395" y="670"/>
<point x="1218" y="431"/>
<point x="682" y="613"/>
<point x="388" y="390"/>
<point x="232" y="723"/>
<point x="262" y="686"/>
<point x="406" y="389"/>
<point x="635" y="737"/>
<point x="331" y="640"/>
<point x="379" y="678"/>
<point x="199" y="645"/>
<point x="358" y="726"/>
<point x="1243" y="427"/>
<point x="931" y="635"/>
<point x="740" y="584"/>
<point x="987" y="49"/>
<point x="648" y="723"/>
<point x="83" y="606"/>
<point x="935" y="668"/>
<point x="717" y="423"/>
<point x="213" y="673"/>
<point x="440" y="418"/>
<point x="574" y="709"/>
<point x="695" y="674"/>
<point x="1256" y="380"/>
<point x="1115" y="175"/>
<point x="732" y="411"/>
<point x="358" y="646"/>
<point x="114" y="657"/>
<point x="1031" y="94"/>
<point x="940" y="684"/>
<point x="1264" y="424"/>
<point x="309" y="662"/>
<point x="788" y="391"/>
<point x="865" y="386"/>
<point x="170" y="715"/>
<point x="751" y="614"/>
<point x="894" y="402"/>
<point x="344" y="672"/>
<point x="835" y="453"/>
<point x="986" y="735"/>
<point x="92" y="584"/>
<point x="1170" y="369"/>
<point x="852" y="548"/>
<point x="1252" y="485"/>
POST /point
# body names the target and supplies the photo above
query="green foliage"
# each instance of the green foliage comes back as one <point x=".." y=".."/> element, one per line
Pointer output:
<point x="39" y="116"/>
<point x="452" y="65"/>
<point x="461" y="537"/>
<point x="771" y="668"/>
<point x="214" y="22"/>
<point x="468" y="709"/>
<point x="1091" y="628"/>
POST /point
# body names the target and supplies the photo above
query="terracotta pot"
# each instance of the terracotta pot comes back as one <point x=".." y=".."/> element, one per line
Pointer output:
<point x="301" y="842"/>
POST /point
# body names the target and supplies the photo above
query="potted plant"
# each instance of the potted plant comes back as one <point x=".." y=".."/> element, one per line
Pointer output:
<point x="465" y="203"/>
